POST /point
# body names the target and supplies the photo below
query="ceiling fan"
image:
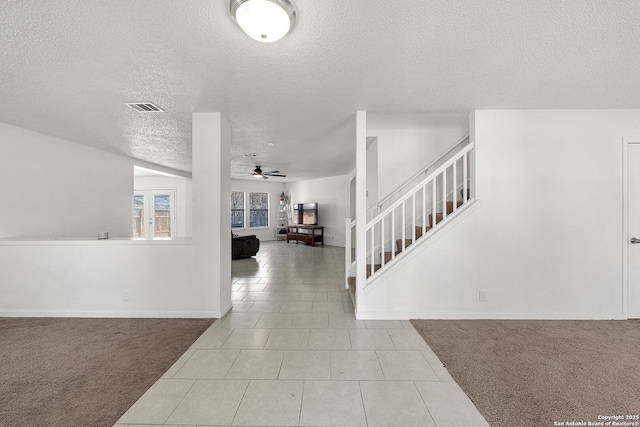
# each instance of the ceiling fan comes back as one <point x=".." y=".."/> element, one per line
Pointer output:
<point x="257" y="173"/>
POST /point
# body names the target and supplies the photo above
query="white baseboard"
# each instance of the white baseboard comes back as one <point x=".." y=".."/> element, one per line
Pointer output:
<point x="360" y="315"/>
<point x="117" y="314"/>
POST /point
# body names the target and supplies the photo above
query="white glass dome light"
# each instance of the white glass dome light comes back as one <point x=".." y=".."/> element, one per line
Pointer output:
<point x="266" y="21"/>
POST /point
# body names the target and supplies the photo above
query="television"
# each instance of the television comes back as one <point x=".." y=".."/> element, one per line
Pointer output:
<point x="305" y="213"/>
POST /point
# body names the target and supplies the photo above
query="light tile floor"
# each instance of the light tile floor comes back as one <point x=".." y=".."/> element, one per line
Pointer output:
<point x="291" y="353"/>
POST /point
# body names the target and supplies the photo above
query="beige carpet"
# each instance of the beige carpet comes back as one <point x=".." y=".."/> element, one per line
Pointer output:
<point x="532" y="373"/>
<point x="84" y="372"/>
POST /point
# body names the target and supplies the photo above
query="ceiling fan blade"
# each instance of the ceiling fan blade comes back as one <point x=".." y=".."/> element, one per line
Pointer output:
<point x="257" y="172"/>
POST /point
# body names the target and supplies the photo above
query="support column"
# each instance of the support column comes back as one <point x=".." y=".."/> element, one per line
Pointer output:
<point x="211" y="160"/>
<point x="361" y="207"/>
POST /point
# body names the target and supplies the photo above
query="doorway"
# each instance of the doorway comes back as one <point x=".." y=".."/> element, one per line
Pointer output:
<point x="631" y="176"/>
<point x="154" y="213"/>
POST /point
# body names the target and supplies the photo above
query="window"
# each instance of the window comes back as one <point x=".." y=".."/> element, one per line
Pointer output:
<point x="255" y="206"/>
<point x="153" y="213"/>
<point x="162" y="211"/>
<point x="237" y="209"/>
<point x="138" y="215"/>
<point x="258" y="209"/>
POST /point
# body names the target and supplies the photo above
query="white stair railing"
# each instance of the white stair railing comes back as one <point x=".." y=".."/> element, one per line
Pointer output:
<point x="413" y="212"/>
<point x="349" y="256"/>
<point x="423" y="208"/>
<point x="419" y="176"/>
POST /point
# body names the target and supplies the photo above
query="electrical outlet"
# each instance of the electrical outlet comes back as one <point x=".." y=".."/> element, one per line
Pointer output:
<point x="482" y="296"/>
<point x="126" y="295"/>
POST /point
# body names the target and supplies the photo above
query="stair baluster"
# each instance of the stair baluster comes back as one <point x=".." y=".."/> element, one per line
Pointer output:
<point x="422" y="220"/>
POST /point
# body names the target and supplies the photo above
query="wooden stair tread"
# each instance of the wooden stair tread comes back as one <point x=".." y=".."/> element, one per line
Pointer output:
<point x="438" y="217"/>
<point x="351" y="281"/>
<point x="376" y="267"/>
<point x="407" y="243"/>
<point x="450" y="206"/>
<point x="352" y="288"/>
<point x="419" y="230"/>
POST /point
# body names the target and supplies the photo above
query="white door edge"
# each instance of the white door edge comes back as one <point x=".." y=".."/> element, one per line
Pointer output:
<point x="626" y="141"/>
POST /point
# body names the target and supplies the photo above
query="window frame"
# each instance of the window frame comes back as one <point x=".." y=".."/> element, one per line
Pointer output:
<point x="243" y="210"/>
<point x="267" y="210"/>
<point x="247" y="210"/>
<point x="149" y="213"/>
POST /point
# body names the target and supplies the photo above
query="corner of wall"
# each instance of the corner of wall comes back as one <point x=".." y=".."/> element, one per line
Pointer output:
<point x="472" y="125"/>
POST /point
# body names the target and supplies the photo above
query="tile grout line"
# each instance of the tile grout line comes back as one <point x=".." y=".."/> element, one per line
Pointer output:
<point x="226" y="339"/>
<point x="366" y="419"/>
<point x="304" y="383"/>
<point x="284" y="353"/>
<point x="235" y="414"/>
<point x="181" y="400"/>
<point x="182" y="365"/>
<point x="233" y="363"/>
<point x="430" y="366"/>
<point x="425" y="404"/>
<point x="380" y="365"/>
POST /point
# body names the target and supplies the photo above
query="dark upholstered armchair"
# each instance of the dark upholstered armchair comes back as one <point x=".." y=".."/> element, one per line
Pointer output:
<point x="244" y="246"/>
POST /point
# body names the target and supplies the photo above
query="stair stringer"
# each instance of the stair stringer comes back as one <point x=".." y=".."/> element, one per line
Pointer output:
<point x="384" y="278"/>
<point x="425" y="241"/>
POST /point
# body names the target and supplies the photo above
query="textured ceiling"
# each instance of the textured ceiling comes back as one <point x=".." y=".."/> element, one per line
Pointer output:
<point x="67" y="66"/>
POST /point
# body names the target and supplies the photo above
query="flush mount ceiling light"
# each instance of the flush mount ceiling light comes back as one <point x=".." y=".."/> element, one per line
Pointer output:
<point x="264" y="20"/>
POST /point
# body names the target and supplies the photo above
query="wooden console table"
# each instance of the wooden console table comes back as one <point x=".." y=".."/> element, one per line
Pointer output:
<point x="306" y="234"/>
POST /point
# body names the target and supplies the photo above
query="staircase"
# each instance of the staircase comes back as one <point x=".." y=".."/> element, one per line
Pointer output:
<point x="416" y="214"/>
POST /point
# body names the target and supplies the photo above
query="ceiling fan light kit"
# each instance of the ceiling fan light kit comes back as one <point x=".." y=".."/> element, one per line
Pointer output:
<point x="266" y="21"/>
<point x="257" y="173"/>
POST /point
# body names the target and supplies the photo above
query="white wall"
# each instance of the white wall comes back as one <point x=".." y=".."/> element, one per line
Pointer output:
<point x="332" y="196"/>
<point x="545" y="238"/>
<point x="55" y="188"/>
<point x="183" y="203"/>
<point x="51" y="277"/>
<point x="408" y="142"/>
<point x="261" y="186"/>
<point x="68" y="278"/>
